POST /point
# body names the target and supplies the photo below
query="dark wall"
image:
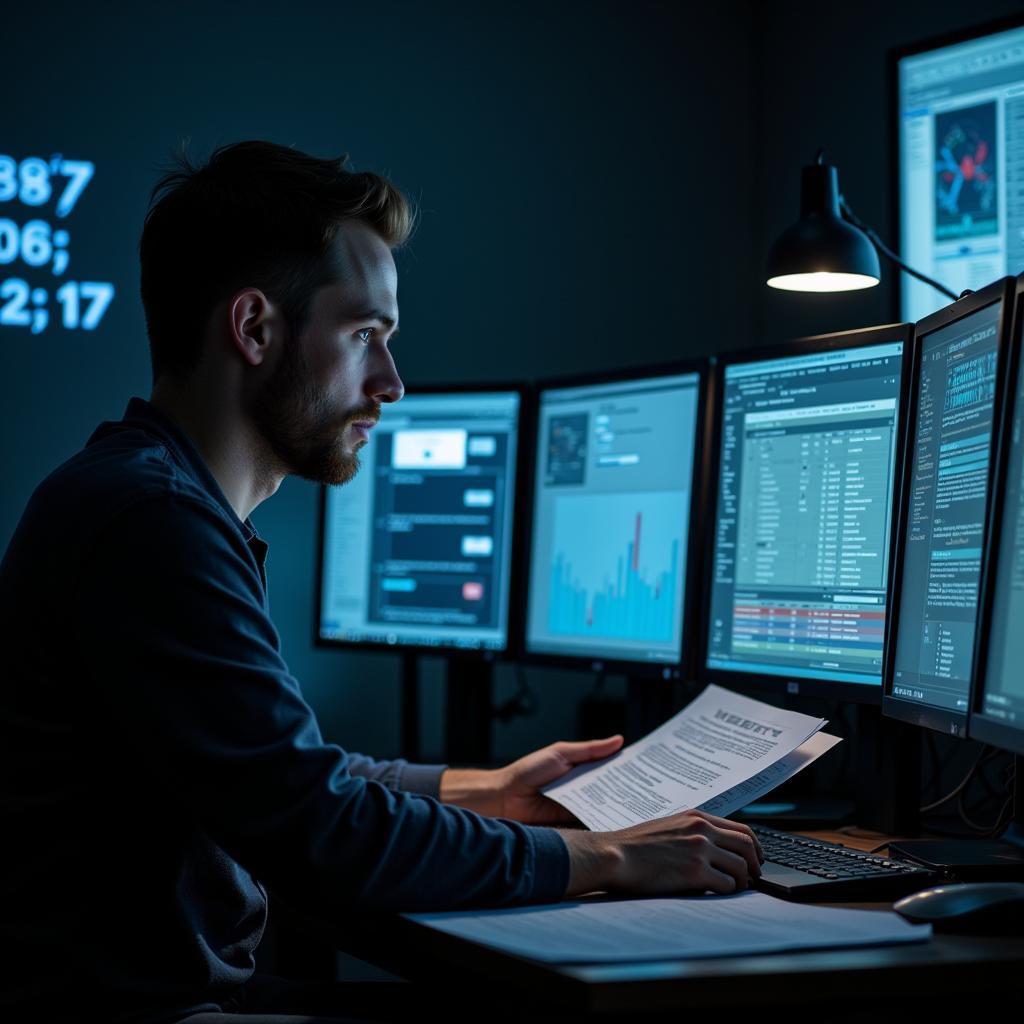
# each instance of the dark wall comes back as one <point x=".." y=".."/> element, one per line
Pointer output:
<point x="584" y="171"/>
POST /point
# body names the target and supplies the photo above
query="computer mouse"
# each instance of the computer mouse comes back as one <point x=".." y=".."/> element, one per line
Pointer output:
<point x="976" y="908"/>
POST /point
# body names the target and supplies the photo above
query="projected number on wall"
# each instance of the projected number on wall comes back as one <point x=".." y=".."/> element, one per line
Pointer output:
<point x="34" y="246"/>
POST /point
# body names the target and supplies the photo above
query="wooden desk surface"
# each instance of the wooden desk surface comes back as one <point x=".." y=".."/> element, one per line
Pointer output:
<point x="932" y="976"/>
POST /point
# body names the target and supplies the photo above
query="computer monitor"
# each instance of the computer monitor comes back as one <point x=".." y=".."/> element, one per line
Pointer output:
<point x="416" y="550"/>
<point x="960" y="142"/>
<point x="615" y="490"/>
<point x="956" y="388"/>
<point x="808" y="437"/>
<point x="997" y="712"/>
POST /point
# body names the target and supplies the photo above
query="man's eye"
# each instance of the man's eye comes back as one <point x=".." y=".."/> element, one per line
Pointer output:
<point x="367" y="331"/>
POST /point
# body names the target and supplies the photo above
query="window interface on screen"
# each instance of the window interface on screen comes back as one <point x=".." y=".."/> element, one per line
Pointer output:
<point x="614" y="480"/>
<point x="961" y="153"/>
<point x="417" y="547"/>
<point x="944" y="530"/>
<point x="1003" y="696"/>
<point x="804" y="514"/>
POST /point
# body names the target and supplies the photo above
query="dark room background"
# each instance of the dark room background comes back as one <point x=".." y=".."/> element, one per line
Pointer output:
<point x="599" y="183"/>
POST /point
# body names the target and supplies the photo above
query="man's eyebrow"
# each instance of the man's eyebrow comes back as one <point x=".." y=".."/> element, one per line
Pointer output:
<point x="369" y="314"/>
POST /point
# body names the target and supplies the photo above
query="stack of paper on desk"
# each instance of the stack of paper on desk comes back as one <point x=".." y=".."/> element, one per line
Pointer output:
<point x="719" y="753"/>
<point x="620" y="931"/>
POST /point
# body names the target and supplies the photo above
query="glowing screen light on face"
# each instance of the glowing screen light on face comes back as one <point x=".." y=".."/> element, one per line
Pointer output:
<point x="37" y="198"/>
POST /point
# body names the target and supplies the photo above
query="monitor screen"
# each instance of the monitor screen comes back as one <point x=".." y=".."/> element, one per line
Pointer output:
<point x="1001" y="698"/>
<point x="417" y="547"/>
<point x="961" y="166"/>
<point x="804" y="514"/>
<point x="943" y="526"/>
<point x="611" y="514"/>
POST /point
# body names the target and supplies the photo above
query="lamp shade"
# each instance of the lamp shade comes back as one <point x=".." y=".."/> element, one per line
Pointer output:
<point x="822" y="252"/>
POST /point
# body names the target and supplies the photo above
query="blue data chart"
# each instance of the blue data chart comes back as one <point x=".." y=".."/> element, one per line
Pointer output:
<point x="616" y="564"/>
<point x="609" y="537"/>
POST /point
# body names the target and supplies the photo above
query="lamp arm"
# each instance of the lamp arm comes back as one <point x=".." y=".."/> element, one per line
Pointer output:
<point x="888" y="253"/>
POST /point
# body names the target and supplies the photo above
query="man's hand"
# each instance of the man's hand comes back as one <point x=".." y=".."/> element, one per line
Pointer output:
<point x="690" y="851"/>
<point x="514" y="791"/>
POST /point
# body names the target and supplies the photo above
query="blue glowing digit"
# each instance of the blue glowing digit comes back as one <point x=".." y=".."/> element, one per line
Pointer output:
<point x="101" y="293"/>
<point x="10" y="241"/>
<point x="35" y="181"/>
<point x="8" y="178"/>
<point x="67" y="296"/>
<point x="14" y="294"/>
<point x="36" y="248"/>
<point x="79" y="173"/>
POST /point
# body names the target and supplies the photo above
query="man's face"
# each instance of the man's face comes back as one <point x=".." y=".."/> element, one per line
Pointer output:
<point x="323" y="394"/>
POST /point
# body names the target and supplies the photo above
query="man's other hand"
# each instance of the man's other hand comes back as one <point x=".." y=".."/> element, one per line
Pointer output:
<point x="686" y="852"/>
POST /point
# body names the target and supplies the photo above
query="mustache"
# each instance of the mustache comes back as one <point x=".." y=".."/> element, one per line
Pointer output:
<point x="370" y="414"/>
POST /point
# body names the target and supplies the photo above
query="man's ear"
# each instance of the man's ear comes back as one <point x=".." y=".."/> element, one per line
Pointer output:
<point x="250" y="325"/>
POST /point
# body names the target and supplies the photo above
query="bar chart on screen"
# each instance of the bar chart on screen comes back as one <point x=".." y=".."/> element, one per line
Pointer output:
<point x="616" y="565"/>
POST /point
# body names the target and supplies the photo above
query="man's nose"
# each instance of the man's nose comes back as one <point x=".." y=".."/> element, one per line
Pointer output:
<point x="385" y="385"/>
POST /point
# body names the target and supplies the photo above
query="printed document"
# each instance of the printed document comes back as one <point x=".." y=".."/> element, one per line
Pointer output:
<point x="774" y="775"/>
<point x="717" y="743"/>
<point x="620" y="931"/>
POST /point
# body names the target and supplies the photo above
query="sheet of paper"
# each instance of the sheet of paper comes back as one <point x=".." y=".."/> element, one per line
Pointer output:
<point x="620" y="931"/>
<point x="716" y="742"/>
<point x="774" y="775"/>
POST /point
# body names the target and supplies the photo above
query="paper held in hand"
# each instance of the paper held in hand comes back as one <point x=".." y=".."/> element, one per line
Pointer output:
<point x="718" y="754"/>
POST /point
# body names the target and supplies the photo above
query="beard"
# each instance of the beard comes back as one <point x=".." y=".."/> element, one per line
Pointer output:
<point x="295" y="418"/>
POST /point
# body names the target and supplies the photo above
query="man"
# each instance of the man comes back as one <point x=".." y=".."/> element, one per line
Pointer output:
<point x="162" y="765"/>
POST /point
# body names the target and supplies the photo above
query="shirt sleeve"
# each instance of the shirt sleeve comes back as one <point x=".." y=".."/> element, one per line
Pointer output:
<point x="172" y="624"/>
<point x="424" y="779"/>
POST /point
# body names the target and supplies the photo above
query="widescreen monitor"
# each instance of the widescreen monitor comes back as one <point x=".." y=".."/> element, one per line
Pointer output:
<point x="955" y="392"/>
<point x="807" y="446"/>
<point x="615" y="487"/>
<point x="416" y="550"/>
<point x="997" y="713"/>
<point x="960" y="144"/>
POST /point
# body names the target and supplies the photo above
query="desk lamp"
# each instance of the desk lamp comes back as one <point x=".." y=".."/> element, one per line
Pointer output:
<point x="829" y="249"/>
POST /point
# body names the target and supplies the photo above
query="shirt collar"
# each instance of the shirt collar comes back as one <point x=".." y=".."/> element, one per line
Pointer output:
<point x="149" y="418"/>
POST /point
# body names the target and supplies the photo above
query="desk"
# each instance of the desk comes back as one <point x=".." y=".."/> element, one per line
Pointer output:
<point x="949" y="974"/>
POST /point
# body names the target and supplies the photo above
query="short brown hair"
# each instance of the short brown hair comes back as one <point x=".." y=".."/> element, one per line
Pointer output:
<point x="256" y="214"/>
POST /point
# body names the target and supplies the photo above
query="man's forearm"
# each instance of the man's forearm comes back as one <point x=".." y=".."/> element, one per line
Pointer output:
<point x="473" y="788"/>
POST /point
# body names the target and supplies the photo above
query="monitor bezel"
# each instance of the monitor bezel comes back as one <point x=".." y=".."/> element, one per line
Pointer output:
<point x="979" y="725"/>
<point x="780" y="684"/>
<point x="1005" y="23"/>
<point x="925" y="715"/>
<point x="666" y="670"/>
<point x="523" y="440"/>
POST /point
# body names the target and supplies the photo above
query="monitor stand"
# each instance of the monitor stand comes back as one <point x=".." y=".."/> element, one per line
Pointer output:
<point x="970" y="860"/>
<point x="469" y="713"/>
<point x="888" y="765"/>
<point x="468" y="710"/>
<point x="411" y="706"/>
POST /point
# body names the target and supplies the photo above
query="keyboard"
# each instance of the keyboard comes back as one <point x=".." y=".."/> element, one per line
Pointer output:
<point x="810" y="870"/>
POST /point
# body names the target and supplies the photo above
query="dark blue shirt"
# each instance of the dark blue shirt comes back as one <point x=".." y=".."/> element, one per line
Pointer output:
<point x="160" y="766"/>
